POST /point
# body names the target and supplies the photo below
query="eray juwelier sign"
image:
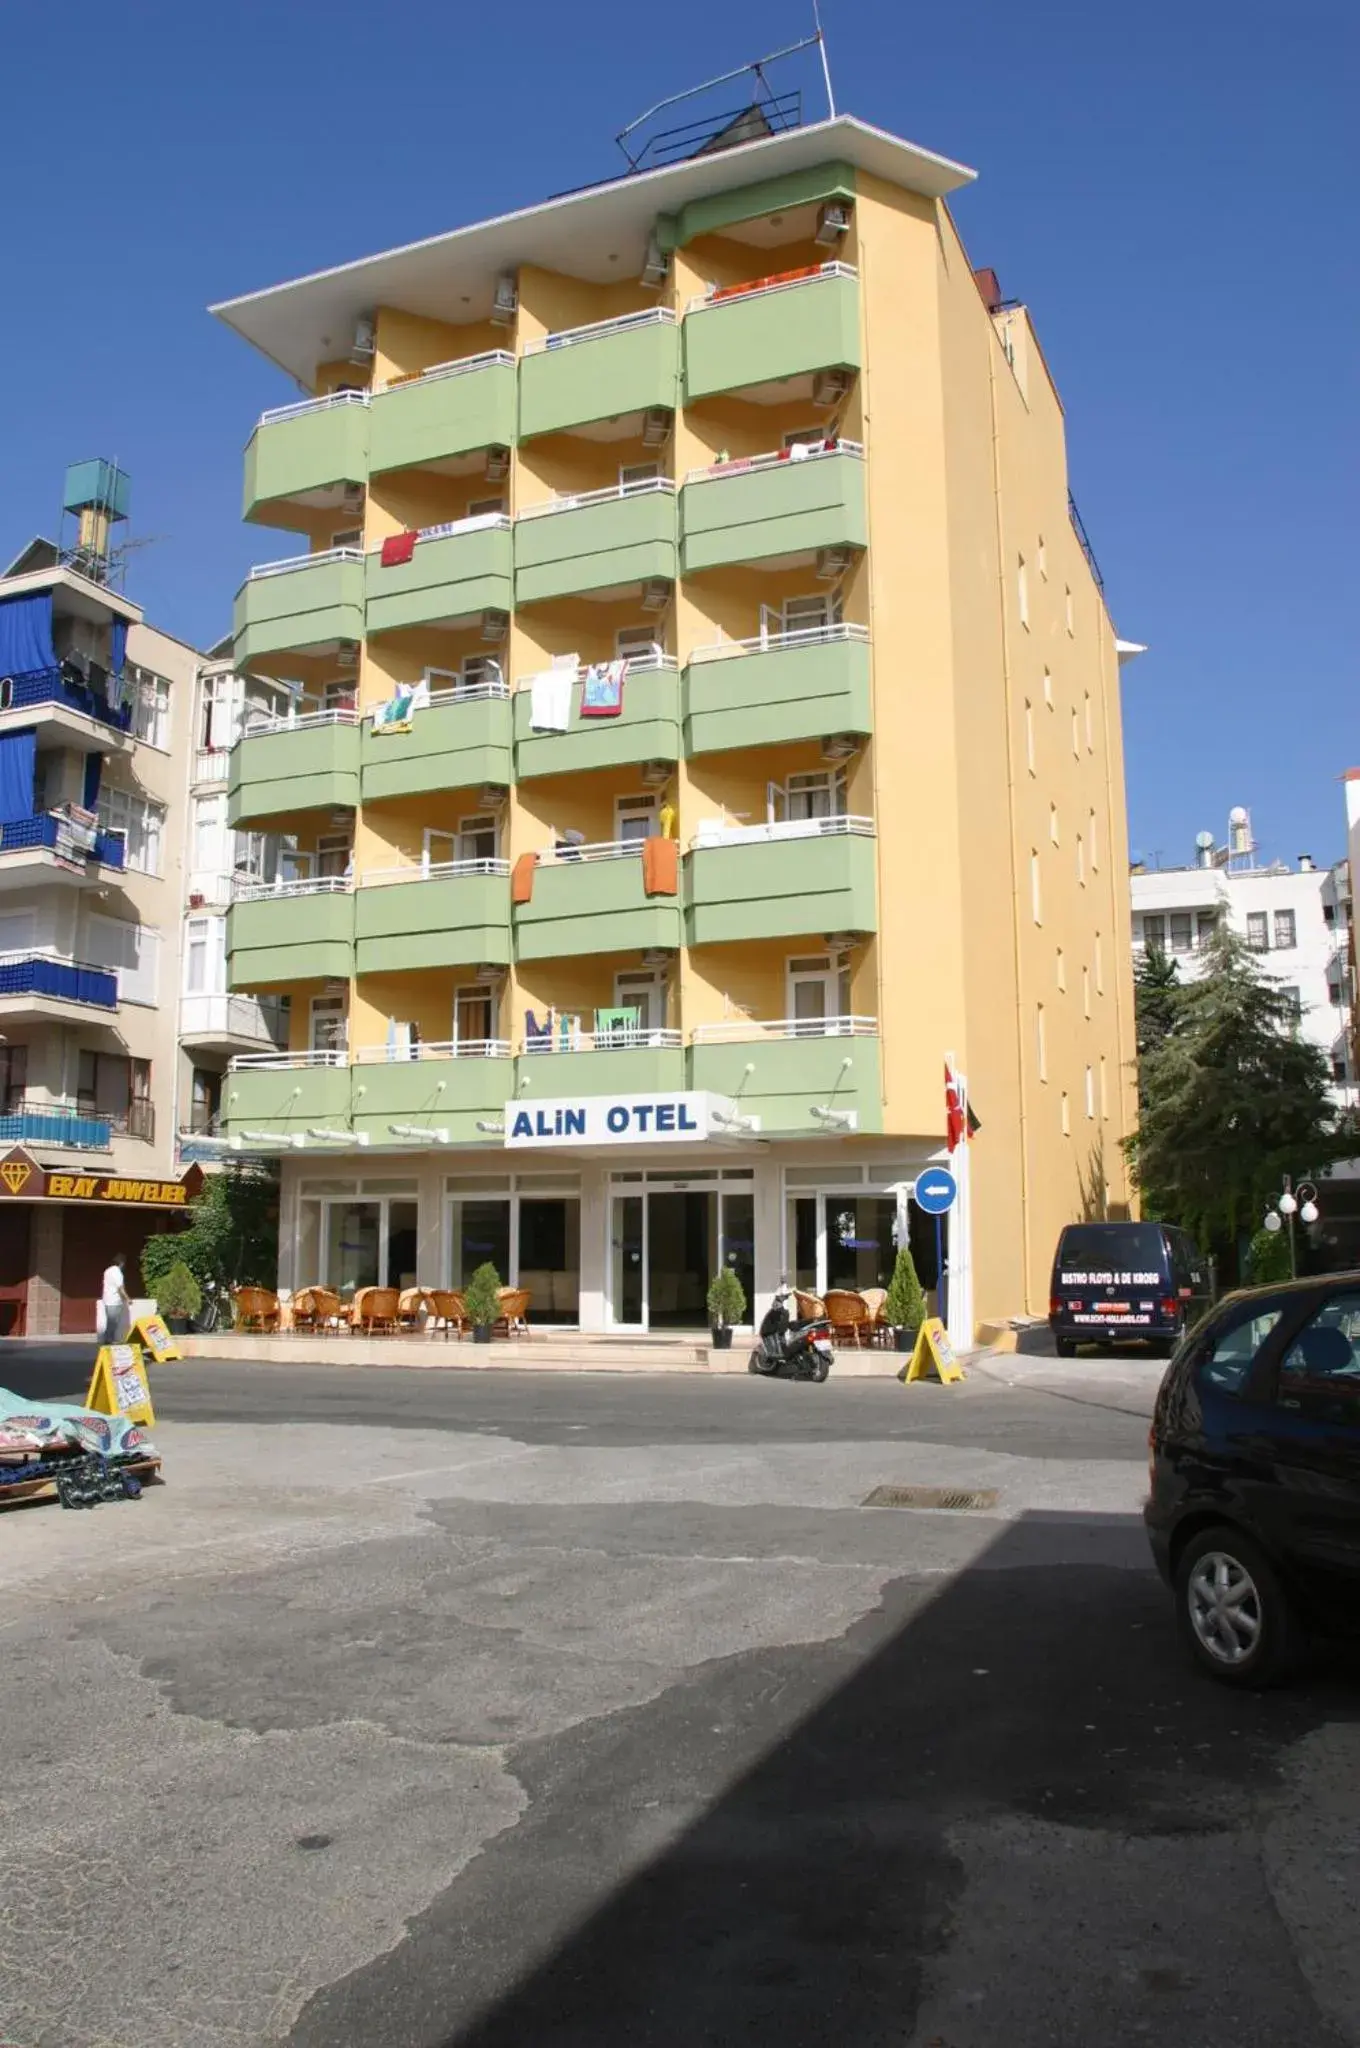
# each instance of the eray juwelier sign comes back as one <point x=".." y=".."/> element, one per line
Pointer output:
<point x="686" y="1118"/>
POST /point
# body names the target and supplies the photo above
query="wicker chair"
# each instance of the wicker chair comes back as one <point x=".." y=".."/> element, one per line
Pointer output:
<point x="255" y="1308"/>
<point x="807" y="1305"/>
<point x="513" y="1320"/>
<point x="375" y="1308"/>
<point x="848" y="1314"/>
<point x="317" y="1309"/>
<point x="415" y="1303"/>
<point x="448" y="1312"/>
<point x="873" y="1299"/>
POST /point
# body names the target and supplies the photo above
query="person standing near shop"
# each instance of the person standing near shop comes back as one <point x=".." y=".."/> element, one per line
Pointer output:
<point x="115" y="1311"/>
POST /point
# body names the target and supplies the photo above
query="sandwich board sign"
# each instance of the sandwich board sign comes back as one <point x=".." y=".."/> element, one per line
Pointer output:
<point x="933" y="1357"/>
<point x="150" y="1330"/>
<point x="118" y="1384"/>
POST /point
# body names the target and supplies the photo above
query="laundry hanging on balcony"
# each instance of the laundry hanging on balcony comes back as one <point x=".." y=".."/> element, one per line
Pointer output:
<point x="398" y="548"/>
<point x="660" y="866"/>
<point x="397" y="714"/>
<point x="550" y="700"/>
<point x="522" y="878"/>
<point x="26" y="634"/>
<point x="602" y="689"/>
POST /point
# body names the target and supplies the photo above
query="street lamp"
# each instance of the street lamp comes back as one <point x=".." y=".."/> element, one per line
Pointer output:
<point x="1300" y="1201"/>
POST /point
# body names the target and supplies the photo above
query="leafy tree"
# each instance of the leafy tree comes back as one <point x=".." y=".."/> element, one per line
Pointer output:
<point x="1232" y="1097"/>
<point x="1268" y="1257"/>
<point x="232" y="1237"/>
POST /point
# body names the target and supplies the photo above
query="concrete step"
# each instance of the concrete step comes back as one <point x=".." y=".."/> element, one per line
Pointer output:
<point x="550" y="1352"/>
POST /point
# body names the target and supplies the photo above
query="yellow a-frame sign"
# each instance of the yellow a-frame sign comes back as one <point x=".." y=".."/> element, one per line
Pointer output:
<point x="150" y="1330"/>
<point x="933" y="1357"/>
<point x="118" y="1384"/>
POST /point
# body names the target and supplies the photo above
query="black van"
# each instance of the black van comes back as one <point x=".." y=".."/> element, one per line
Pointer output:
<point x="1125" y="1283"/>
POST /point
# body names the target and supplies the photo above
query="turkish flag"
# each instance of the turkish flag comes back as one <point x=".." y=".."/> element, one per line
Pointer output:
<point x="955" y="1115"/>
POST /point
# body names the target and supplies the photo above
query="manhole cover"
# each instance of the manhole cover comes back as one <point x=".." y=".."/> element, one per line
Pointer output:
<point x="930" y="1497"/>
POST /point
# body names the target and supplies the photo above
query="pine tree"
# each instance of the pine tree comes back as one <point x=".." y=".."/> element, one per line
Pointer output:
<point x="1232" y="1096"/>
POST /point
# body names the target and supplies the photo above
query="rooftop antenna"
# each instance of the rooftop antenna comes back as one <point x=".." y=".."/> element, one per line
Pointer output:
<point x="826" y="64"/>
<point x="767" y="113"/>
<point x="96" y="496"/>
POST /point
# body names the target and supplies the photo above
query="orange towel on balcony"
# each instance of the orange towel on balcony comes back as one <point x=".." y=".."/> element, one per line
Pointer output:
<point x="398" y="548"/>
<point x="522" y="878"/>
<point x="660" y="867"/>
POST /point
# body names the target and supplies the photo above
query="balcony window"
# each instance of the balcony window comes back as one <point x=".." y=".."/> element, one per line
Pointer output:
<point x="150" y="707"/>
<point x="329" y="1025"/>
<point x="139" y="822"/>
<point x="111" y="1086"/>
<point x="13" y="1076"/>
<point x="205" y="1102"/>
<point x="474" y="1018"/>
<point x="1258" y="931"/>
<point x="1154" y="933"/>
<point x="334" y="853"/>
<point x="1182" y="929"/>
<point x="1206" y="924"/>
<point x="644" y="993"/>
<point x="818" y="993"/>
<point x="1285" y="939"/>
<point x="635" y="818"/>
<point x="132" y="950"/>
<point x="820" y="793"/>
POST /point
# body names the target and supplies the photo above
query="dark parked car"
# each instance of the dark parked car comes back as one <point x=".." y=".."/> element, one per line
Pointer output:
<point x="1125" y="1283"/>
<point x="1254" y="1512"/>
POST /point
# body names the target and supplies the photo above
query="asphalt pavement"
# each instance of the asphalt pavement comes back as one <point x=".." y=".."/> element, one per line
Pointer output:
<point x="490" y="1710"/>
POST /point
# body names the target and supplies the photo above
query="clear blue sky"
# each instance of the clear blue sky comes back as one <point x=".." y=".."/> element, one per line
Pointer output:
<point x="1171" y="187"/>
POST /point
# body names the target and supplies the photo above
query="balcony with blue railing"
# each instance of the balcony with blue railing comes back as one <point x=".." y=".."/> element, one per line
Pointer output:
<point x="43" y="977"/>
<point x="37" y="690"/>
<point x="70" y="839"/>
<point x="32" y="1122"/>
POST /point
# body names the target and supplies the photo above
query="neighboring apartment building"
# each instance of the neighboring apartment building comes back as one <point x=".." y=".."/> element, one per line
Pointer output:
<point x="1297" y="919"/>
<point x="95" y="709"/>
<point x="765" y="750"/>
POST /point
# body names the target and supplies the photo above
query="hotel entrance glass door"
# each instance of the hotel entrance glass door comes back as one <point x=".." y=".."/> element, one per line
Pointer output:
<point x="665" y="1244"/>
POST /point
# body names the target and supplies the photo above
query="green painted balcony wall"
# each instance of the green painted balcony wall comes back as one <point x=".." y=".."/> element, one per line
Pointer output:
<point x="619" y="371"/>
<point x="276" y="940"/>
<point x="786" y="508"/>
<point x="438" y="1094"/>
<point x="789" y="1075"/>
<point x="784" y="693"/>
<point x="435" y="921"/>
<point x="305" y="769"/>
<point x="592" y="906"/>
<point x="780" y="888"/>
<point x="447" y="578"/>
<point x="285" y="458"/>
<point x="595" y="547"/>
<point x="766" y="336"/>
<point x="304" y="607"/>
<point x="624" y="1070"/>
<point x="433" y="418"/>
<point x="647" y="729"/>
<point x="450" y="746"/>
<point x="285" y="1099"/>
<point x="717" y="211"/>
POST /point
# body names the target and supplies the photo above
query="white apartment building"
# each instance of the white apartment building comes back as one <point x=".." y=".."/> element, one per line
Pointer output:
<point x="1297" y="918"/>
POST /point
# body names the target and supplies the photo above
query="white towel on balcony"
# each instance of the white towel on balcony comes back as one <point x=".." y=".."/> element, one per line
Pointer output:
<point x="550" y="700"/>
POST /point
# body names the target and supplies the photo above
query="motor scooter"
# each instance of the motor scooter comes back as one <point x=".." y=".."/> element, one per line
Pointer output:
<point x="791" y="1350"/>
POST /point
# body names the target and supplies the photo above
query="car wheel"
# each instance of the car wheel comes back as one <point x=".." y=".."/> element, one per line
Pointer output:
<point x="1233" y="1611"/>
<point x="1065" y="1347"/>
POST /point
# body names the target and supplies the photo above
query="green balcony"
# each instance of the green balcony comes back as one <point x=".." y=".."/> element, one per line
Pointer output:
<point x="308" y="766"/>
<point x="594" y="903"/>
<point x="299" y="454"/>
<point x="455" y="915"/>
<point x="450" y="411"/>
<point x="744" y="885"/>
<point x="455" y="572"/>
<point x="781" y="1079"/>
<point x="768" y="335"/>
<point x="600" y="372"/>
<point x="303" y="931"/>
<point x="306" y="602"/>
<point x="285" y="1098"/>
<point x="647" y="729"/>
<point x="772" y="508"/>
<point x="435" y="1092"/>
<point x="603" y="1069"/>
<point x="800" y="686"/>
<point x="597" y="542"/>
<point x="457" y="742"/>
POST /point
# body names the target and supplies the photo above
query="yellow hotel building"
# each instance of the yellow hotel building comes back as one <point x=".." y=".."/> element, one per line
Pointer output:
<point x="704" y="720"/>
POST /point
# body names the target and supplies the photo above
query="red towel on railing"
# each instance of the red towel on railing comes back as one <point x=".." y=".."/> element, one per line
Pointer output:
<point x="660" y="867"/>
<point x="398" y="548"/>
<point x="522" y="878"/>
<point x="760" y="284"/>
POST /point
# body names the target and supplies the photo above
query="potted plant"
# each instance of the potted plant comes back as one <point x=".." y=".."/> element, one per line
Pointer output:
<point x="726" y="1305"/>
<point x="905" y="1306"/>
<point x="179" y="1297"/>
<point x="482" y="1301"/>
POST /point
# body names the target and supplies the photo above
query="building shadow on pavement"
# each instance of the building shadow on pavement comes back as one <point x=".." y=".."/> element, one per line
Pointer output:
<point x="47" y="1369"/>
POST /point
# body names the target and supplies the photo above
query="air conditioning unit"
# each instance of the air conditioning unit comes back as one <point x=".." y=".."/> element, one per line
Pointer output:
<point x="495" y="626"/>
<point x="655" y="773"/>
<point x="353" y="498"/>
<point x="832" y="564"/>
<point x="832" y="222"/>
<point x="505" y="299"/>
<point x="335" y="988"/>
<point x="657" y="956"/>
<point x="656" y="264"/>
<point x="489" y="970"/>
<point x="491" y="796"/>
<point x="839" y="746"/>
<point x="842" y="942"/>
<point x="654" y="594"/>
<point x="497" y="464"/>
<point x="347" y="654"/>
<point x="830" y="386"/>
<point x="365" y="342"/>
<point x="656" y="425"/>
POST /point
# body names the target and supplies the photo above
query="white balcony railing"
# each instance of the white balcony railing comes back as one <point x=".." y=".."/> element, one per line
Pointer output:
<point x="212" y="764"/>
<point x="284" y="1062"/>
<point x="801" y="451"/>
<point x="752" y="1030"/>
<point x="431" y="1049"/>
<point x="290" y="563"/>
<point x="773" y="643"/>
<point x="481" y="522"/>
<point x="564" y="854"/>
<point x="326" y="403"/>
<point x="228" y="1016"/>
<point x="650" y="316"/>
<point x="633" y="665"/>
<point x="433" y="871"/>
<point x="642" y="487"/>
<point x="246" y="890"/>
<point x="569" y="1036"/>
<point x="782" y="281"/>
<point x="259" y="724"/>
<point x="490" y="359"/>
<point x="713" y="832"/>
